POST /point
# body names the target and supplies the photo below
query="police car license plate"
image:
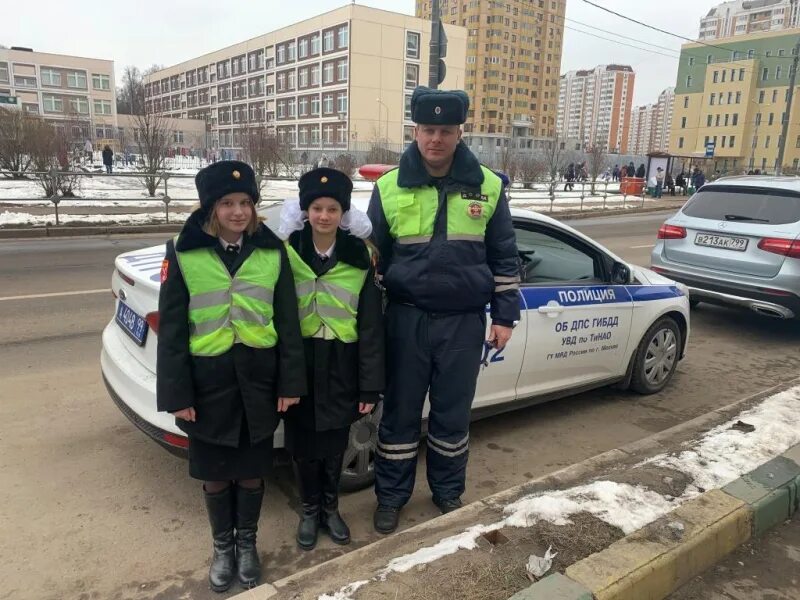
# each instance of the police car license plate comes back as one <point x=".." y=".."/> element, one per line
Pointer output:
<point x="726" y="242"/>
<point x="132" y="324"/>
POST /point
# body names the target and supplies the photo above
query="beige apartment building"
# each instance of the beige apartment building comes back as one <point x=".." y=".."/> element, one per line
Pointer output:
<point x="339" y="81"/>
<point x="651" y="124"/>
<point x="740" y="17"/>
<point x="513" y="58"/>
<point x="72" y="92"/>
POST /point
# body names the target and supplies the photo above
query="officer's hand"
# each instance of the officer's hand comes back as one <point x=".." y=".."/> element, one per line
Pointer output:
<point x="365" y="408"/>
<point x="187" y="414"/>
<point x="499" y="336"/>
<point x="285" y="403"/>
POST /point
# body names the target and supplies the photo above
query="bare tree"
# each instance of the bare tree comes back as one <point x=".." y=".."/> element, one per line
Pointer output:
<point x="130" y="96"/>
<point x="15" y="138"/>
<point x="553" y="163"/>
<point x="530" y="168"/>
<point x="153" y="136"/>
<point x="597" y="162"/>
<point x="346" y="163"/>
<point x="265" y="152"/>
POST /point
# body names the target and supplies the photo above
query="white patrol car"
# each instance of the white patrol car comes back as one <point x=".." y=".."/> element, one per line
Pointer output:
<point x="588" y="320"/>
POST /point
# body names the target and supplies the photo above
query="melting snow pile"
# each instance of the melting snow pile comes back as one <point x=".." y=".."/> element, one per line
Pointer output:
<point x="719" y="457"/>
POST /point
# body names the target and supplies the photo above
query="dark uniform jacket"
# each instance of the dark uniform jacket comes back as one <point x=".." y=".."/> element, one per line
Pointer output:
<point x="341" y="375"/>
<point x="449" y="276"/>
<point x="243" y="383"/>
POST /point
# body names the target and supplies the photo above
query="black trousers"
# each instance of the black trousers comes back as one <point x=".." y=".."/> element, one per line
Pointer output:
<point x="427" y="353"/>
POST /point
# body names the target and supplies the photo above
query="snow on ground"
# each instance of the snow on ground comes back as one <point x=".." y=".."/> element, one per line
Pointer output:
<point x="717" y="458"/>
<point x="18" y="218"/>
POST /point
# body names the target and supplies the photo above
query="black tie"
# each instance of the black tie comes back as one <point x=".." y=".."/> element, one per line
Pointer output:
<point x="232" y="249"/>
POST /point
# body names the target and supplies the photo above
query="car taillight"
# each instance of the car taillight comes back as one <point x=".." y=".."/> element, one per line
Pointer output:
<point x="790" y="248"/>
<point x="153" y="321"/>
<point x="671" y="232"/>
<point x="176" y="440"/>
<point x="125" y="278"/>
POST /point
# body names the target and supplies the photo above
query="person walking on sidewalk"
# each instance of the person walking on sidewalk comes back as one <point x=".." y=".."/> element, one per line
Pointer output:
<point x="569" y="177"/>
<point x="108" y="158"/>
<point x="446" y="244"/>
<point x="230" y="357"/>
<point x="341" y="320"/>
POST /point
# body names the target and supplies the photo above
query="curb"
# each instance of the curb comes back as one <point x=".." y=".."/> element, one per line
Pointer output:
<point x="656" y="560"/>
<point x="345" y="568"/>
<point x="84" y="230"/>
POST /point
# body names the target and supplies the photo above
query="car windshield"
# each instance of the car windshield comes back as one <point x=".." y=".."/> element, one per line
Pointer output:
<point x="745" y="204"/>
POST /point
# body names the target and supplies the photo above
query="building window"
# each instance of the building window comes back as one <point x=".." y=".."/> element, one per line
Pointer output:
<point x="302" y="107"/>
<point x="686" y="102"/>
<point x="412" y="76"/>
<point x="412" y="44"/>
<point x="778" y="72"/>
<point x="709" y="59"/>
<point x="731" y="141"/>
<point x="407" y="113"/>
<point x="735" y="120"/>
<point x="341" y="70"/>
<point x="751" y="53"/>
<point x="741" y="74"/>
<point x="797" y="142"/>
<point x="281" y="54"/>
<point x="20" y="81"/>
<point x="688" y="81"/>
<point x="291" y="51"/>
<point x="691" y="61"/>
<point x="3" y="72"/>
<point x="303" y="78"/>
<point x="52" y="103"/>
<point x="79" y="105"/>
<point x="771" y="119"/>
<point x="766" y="142"/>
<point x="100" y="82"/>
<point x="341" y="104"/>
<point x="327" y="104"/>
<point x="102" y="107"/>
<point x="291" y="80"/>
<point x="327" y="73"/>
<point x="683" y="122"/>
<point x="709" y="120"/>
<point x="711" y="99"/>
<point x="738" y="97"/>
<point x="408" y="134"/>
<point x="722" y="145"/>
<point x="315" y="105"/>
<point x="315" y="75"/>
<point x="76" y="79"/>
<point x="315" y="135"/>
<point x="342" y="37"/>
<point x="302" y="48"/>
<point x="764" y="73"/>
<point x="327" y="41"/>
<point x="758" y="118"/>
<point x="50" y="77"/>
<point x="774" y="96"/>
<point x="680" y="142"/>
<point x="315" y="44"/>
<point x="716" y="121"/>
<point x="291" y="107"/>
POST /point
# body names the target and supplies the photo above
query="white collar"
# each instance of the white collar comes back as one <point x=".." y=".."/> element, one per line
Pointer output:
<point x="328" y="252"/>
<point x="225" y="244"/>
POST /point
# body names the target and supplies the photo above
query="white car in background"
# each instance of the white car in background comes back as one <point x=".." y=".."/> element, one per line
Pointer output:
<point x="588" y="320"/>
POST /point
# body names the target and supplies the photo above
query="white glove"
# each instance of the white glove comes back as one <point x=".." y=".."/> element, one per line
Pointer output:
<point x="357" y="223"/>
<point x="292" y="218"/>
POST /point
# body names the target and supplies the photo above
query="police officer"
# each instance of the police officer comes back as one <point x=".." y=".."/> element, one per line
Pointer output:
<point x="446" y="244"/>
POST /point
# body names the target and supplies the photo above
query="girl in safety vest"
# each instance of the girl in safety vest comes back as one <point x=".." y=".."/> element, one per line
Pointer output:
<point x="230" y="357"/>
<point x="341" y="320"/>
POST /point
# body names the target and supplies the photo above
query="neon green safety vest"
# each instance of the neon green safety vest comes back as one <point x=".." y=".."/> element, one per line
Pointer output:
<point x="411" y="212"/>
<point x="331" y="299"/>
<point x="225" y="309"/>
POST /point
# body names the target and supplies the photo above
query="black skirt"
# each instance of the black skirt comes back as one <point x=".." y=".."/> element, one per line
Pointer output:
<point x="212" y="462"/>
<point x="312" y="445"/>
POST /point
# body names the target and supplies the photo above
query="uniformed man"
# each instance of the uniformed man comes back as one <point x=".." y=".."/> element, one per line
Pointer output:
<point x="446" y="242"/>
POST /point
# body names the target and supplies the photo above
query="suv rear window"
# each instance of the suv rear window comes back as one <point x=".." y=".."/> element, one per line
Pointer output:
<point x="745" y="204"/>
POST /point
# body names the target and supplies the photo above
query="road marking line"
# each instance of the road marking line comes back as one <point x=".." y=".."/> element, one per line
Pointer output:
<point x="55" y="294"/>
<point x="645" y="246"/>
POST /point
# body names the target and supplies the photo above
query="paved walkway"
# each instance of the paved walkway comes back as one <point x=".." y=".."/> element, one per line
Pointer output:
<point x="766" y="568"/>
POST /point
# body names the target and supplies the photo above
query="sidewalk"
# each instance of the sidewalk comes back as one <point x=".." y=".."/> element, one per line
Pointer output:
<point x="767" y="568"/>
<point x="633" y="523"/>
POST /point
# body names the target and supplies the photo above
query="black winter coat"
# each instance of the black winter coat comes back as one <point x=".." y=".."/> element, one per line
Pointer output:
<point x="243" y="383"/>
<point x="341" y="375"/>
<point x="443" y="275"/>
<point x="108" y="156"/>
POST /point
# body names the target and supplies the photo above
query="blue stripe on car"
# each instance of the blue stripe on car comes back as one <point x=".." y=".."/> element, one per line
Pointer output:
<point x="534" y="297"/>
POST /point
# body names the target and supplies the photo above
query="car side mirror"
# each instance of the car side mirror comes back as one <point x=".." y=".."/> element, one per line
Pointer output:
<point x="620" y="274"/>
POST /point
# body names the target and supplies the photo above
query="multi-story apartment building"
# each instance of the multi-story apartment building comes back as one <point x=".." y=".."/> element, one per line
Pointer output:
<point x="651" y="124"/>
<point x="594" y="106"/>
<point x="340" y="80"/>
<point x="75" y="94"/>
<point x="740" y="17"/>
<point x="514" y="52"/>
<point x="734" y="94"/>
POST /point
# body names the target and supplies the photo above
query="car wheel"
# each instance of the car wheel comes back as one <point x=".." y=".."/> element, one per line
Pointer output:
<point x="656" y="357"/>
<point x="358" y="468"/>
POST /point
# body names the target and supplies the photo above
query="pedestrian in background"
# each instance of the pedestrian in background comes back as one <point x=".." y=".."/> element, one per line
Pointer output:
<point x="108" y="158"/>
<point x="569" y="177"/>
<point x="341" y="320"/>
<point x="640" y="172"/>
<point x="680" y="181"/>
<point x="669" y="183"/>
<point x="230" y="357"/>
<point x="698" y="179"/>
<point x="446" y="246"/>
<point x="88" y="150"/>
<point x="615" y="173"/>
<point x="659" y="182"/>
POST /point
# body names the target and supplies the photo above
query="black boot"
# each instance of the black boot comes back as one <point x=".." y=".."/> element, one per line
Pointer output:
<point x="248" y="509"/>
<point x="223" y="562"/>
<point x="330" y="518"/>
<point x="308" y="475"/>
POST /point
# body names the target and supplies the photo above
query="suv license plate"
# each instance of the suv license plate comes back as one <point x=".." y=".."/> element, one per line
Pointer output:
<point x="132" y="324"/>
<point x="726" y="242"/>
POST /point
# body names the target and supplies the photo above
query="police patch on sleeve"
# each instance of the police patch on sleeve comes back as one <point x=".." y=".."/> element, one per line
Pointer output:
<point x="475" y="210"/>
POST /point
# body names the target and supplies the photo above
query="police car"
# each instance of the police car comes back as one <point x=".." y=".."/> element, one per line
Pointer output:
<point x="588" y="320"/>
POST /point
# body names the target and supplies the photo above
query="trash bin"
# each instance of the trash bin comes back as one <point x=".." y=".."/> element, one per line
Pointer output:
<point x="631" y="186"/>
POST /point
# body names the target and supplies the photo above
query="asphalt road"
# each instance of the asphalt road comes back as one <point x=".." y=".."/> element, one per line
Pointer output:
<point x="90" y="508"/>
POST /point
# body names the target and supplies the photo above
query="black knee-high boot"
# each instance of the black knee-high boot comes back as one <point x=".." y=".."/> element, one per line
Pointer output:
<point x="330" y="518"/>
<point x="309" y="482"/>
<point x="248" y="509"/>
<point x="220" y="515"/>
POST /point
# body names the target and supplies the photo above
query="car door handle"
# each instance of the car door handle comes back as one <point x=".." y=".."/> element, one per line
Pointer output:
<point x="551" y="309"/>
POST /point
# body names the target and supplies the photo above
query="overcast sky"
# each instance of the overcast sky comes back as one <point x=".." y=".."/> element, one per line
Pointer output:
<point x="144" y="32"/>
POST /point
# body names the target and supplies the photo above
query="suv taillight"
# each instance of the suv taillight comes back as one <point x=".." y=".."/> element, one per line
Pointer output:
<point x="782" y="246"/>
<point x="671" y="232"/>
<point x="153" y="321"/>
